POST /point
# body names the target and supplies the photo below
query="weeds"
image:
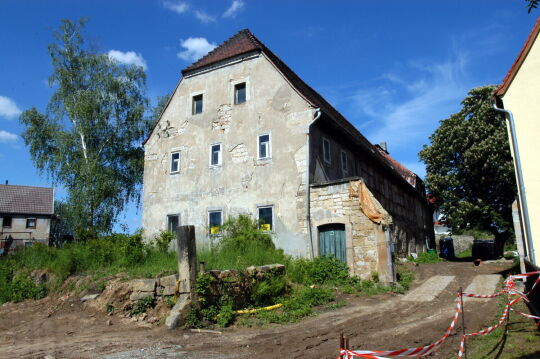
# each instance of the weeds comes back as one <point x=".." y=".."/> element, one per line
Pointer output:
<point x="142" y="305"/>
<point x="426" y="257"/>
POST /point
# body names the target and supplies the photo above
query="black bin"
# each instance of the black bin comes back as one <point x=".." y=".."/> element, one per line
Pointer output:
<point x="484" y="249"/>
<point x="446" y="248"/>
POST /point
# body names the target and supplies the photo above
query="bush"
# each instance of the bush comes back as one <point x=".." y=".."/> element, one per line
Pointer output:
<point x="242" y="245"/>
<point x="226" y="315"/>
<point x="321" y="270"/>
<point x="23" y="288"/>
<point x="163" y="240"/>
<point x="265" y="292"/>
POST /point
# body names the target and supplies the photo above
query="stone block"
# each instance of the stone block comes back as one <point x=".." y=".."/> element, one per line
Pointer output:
<point x="143" y="285"/>
<point x="89" y="297"/>
<point x="178" y="312"/>
<point x="167" y="285"/>
<point x="139" y="295"/>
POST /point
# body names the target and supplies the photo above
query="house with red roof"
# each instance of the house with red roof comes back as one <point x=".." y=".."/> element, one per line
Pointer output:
<point x="518" y="97"/>
<point x="243" y="134"/>
<point x="25" y="216"/>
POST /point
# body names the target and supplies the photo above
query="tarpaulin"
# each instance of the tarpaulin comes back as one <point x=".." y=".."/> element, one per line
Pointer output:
<point x="358" y="189"/>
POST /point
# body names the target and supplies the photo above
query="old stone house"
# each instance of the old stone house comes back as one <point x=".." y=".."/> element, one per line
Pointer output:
<point x="25" y="216"/>
<point x="242" y="133"/>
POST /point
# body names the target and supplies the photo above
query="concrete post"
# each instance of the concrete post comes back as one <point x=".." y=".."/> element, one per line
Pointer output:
<point x="187" y="258"/>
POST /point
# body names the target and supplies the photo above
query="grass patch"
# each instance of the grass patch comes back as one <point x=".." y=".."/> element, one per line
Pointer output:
<point x="100" y="257"/>
<point x="426" y="257"/>
<point x="521" y="341"/>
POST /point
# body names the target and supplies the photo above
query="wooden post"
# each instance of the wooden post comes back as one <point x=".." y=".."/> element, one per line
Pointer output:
<point x="201" y="267"/>
<point x="341" y="341"/>
<point x="187" y="259"/>
<point x="463" y="321"/>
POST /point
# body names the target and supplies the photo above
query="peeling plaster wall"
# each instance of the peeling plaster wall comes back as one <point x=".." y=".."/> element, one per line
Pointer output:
<point x="366" y="246"/>
<point x="242" y="182"/>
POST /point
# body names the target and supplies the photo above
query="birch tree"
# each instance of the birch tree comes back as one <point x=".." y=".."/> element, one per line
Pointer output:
<point x="89" y="138"/>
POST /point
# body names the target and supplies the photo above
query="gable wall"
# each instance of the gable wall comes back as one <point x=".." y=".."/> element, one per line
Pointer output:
<point x="242" y="182"/>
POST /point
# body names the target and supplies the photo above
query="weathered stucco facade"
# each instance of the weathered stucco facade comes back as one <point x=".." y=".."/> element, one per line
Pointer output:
<point x="247" y="143"/>
<point x="242" y="182"/>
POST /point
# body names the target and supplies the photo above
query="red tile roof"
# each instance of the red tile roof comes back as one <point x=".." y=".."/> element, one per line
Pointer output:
<point x="501" y="90"/>
<point x="26" y="200"/>
<point x="407" y="174"/>
<point x="241" y="43"/>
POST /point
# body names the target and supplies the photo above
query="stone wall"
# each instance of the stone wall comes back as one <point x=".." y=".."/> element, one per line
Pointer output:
<point x="366" y="246"/>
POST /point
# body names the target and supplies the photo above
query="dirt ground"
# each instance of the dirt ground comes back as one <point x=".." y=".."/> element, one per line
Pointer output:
<point x="71" y="329"/>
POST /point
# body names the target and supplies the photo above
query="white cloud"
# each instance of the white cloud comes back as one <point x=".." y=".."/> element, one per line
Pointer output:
<point x="406" y="107"/>
<point x="128" y="58"/>
<point x="179" y="7"/>
<point x="235" y="7"/>
<point x="204" y="17"/>
<point x="195" y="48"/>
<point x="7" y="137"/>
<point x="8" y="108"/>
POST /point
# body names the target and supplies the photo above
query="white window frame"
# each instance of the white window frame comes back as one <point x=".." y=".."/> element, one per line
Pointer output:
<point x="220" y="155"/>
<point x="220" y="211"/>
<point x="329" y="160"/>
<point x="235" y="98"/>
<point x="268" y="149"/>
<point x="344" y="162"/>
<point x="172" y="161"/>
<point x="232" y="92"/>
<point x="272" y="225"/>
<point x="191" y="104"/>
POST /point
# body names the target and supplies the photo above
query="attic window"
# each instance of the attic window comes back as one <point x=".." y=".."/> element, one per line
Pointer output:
<point x="197" y="104"/>
<point x="344" y="162"/>
<point x="239" y="93"/>
<point x="326" y="150"/>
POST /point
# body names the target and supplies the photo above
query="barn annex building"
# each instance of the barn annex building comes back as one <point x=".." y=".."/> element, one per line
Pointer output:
<point x="243" y="134"/>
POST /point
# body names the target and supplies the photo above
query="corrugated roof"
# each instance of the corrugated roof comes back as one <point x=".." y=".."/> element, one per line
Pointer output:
<point x="26" y="200"/>
<point x="501" y="90"/>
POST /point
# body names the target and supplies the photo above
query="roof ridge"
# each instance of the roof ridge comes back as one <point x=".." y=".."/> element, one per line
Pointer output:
<point x="27" y="186"/>
<point x="516" y="65"/>
<point x="201" y="62"/>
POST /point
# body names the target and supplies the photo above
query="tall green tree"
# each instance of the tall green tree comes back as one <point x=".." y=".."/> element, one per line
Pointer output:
<point x="531" y="4"/>
<point x="89" y="138"/>
<point x="469" y="166"/>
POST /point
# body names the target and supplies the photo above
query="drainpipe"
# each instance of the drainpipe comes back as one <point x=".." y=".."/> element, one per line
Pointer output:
<point x="308" y="189"/>
<point x="519" y="175"/>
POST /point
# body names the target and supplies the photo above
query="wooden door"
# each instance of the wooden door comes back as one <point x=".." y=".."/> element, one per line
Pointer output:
<point x="332" y="241"/>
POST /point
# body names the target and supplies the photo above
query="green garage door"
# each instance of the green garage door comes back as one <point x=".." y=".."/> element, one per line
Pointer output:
<point x="332" y="241"/>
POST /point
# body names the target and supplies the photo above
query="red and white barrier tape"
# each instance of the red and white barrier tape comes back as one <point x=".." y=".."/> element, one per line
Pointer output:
<point x="407" y="352"/>
<point x="509" y="288"/>
<point x="489" y="329"/>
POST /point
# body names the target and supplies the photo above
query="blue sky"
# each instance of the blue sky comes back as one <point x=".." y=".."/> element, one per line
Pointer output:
<point x="393" y="68"/>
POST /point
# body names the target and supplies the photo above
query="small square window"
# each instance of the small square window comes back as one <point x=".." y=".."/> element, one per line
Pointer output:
<point x="175" y="162"/>
<point x="326" y="150"/>
<point x="173" y="221"/>
<point x="344" y="162"/>
<point x="31" y="223"/>
<point x="239" y="93"/>
<point x="215" y="221"/>
<point x="264" y="147"/>
<point x="197" y="104"/>
<point x="6" y="223"/>
<point x="266" y="218"/>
